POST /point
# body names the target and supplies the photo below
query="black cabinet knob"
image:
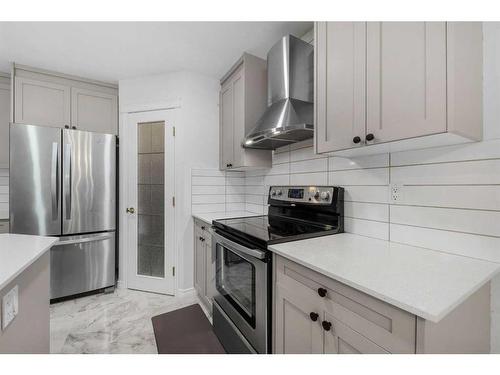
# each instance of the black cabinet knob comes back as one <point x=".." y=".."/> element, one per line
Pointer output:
<point x="203" y="227"/>
<point x="326" y="325"/>
<point x="322" y="292"/>
<point x="356" y="139"/>
<point x="73" y="127"/>
<point x="370" y="137"/>
<point x="314" y="316"/>
<point x="66" y="126"/>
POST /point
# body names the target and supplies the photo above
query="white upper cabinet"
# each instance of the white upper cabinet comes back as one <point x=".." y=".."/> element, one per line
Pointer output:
<point x="393" y="86"/>
<point x="243" y="99"/>
<point x="94" y="111"/>
<point x="405" y="79"/>
<point x="39" y="102"/>
<point x="4" y="121"/>
<point x="340" y="84"/>
<point x="57" y="100"/>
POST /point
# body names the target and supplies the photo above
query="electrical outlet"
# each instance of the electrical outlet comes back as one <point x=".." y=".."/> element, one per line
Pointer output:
<point x="10" y="306"/>
<point x="396" y="192"/>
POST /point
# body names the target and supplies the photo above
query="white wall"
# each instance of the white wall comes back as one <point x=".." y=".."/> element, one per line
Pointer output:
<point x="4" y="193"/>
<point x="196" y="144"/>
<point x="450" y="198"/>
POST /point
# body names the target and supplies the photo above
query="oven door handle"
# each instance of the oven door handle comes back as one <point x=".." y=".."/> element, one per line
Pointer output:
<point x="259" y="254"/>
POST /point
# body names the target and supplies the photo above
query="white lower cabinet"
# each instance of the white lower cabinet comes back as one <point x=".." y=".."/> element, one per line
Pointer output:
<point x="204" y="264"/>
<point x="316" y="314"/>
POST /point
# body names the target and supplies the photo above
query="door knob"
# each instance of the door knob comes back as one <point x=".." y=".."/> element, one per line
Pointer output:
<point x="322" y="292"/>
<point x="314" y="316"/>
<point x="326" y="325"/>
<point x="130" y="210"/>
<point x="370" y="137"/>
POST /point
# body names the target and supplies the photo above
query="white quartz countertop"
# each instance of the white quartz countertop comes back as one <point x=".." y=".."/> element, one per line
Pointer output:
<point x="427" y="283"/>
<point x="209" y="216"/>
<point x="18" y="252"/>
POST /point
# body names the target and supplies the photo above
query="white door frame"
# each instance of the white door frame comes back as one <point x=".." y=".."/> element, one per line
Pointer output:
<point x="167" y="113"/>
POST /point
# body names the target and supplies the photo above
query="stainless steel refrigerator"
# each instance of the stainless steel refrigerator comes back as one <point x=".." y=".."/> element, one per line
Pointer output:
<point x="63" y="183"/>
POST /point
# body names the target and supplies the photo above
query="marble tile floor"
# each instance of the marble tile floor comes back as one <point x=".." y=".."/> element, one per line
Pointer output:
<point x="110" y="323"/>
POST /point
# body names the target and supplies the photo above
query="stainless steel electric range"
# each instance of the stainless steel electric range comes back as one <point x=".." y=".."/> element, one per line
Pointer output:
<point x="243" y="300"/>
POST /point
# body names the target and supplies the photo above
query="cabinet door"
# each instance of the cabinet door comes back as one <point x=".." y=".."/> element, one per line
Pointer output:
<point x="209" y="270"/>
<point x="295" y="331"/>
<point x="199" y="263"/>
<point x="341" y="339"/>
<point x="41" y="103"/>
<point x="406" y="79"/>
<point x="4" y="124"/>
<point x="94" y="111"/>
<point x="238" y="118"/>
<point x="340" y="85"/>
<point x="226" y="125"/>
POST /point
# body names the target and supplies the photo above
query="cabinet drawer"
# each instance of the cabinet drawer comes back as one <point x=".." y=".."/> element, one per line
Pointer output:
<point x="389" y="327"/>
<point x="4" y="227"/>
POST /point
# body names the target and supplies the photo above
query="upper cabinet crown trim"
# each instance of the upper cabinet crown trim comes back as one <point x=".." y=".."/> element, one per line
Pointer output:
<point x="62" y="75"/>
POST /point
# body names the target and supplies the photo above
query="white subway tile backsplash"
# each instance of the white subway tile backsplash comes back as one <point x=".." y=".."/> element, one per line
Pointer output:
<point x="207" y="198"/>
<point x="308" y="166"/>
<point x="235" y="181"/>
<point x="374" y="229"/>
<point x="257" y="208"/>
<point x="481" y="172"/>
<point x="369" y="211"/>
<point x="203" y="208"/>
<point x="304" y="154"/>
<point x="207" y="172"/>
<point x="235" y="189"/>
<point x="467" y="221"/>
<point x="278" y="169"/>
<point x="282" y="179"/>
<point x="371" y="161"/>
<point x="375" y="176"/>
<point x="204" y="190"/>
<point x="471" y="245"/>
<point x="482" y="197"/>
<point x="236" y="198"/>
<point x="316" y="178"/>
<point x="235" y="206"/>
<point x="373" y="194"/>
<point x="469" y="151"/>
<point x="281" y="157"/>
<point x="208" y="180"/>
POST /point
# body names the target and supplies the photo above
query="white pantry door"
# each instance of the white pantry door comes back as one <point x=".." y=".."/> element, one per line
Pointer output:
<point x="148" y="146"/>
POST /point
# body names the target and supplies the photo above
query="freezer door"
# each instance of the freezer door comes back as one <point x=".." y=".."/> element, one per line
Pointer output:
<point x="82" y="263"/>
<point x="34" y="193"/>
<point x="88" y="182"/>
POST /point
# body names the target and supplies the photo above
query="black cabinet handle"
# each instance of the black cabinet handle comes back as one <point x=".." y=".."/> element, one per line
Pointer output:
<point x="370" y="137"/>
<point x="356" y="139"/>
<point x="322" y="292"/>
<point x="229" y="165"/>
<point x="203" y="227"/>
<point x="314" y="316"/>
<point x="201" y="239"/>
<point x="326" y="325"/>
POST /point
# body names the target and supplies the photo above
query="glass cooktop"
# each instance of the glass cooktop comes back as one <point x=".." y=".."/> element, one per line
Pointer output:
<point x="273" y="229"/>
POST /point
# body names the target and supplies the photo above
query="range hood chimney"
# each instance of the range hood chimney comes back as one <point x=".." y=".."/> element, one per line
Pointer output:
<point x="290" y="89"/>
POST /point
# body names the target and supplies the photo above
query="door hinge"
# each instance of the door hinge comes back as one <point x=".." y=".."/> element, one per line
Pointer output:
<point x="173" y="131"/>
<point x="173" y="271"/>
<point x="173" y="201"/>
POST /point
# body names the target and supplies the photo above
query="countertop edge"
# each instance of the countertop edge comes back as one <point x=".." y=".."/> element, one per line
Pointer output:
<point x="29" y="262"/>
<point x="432" y="317"/>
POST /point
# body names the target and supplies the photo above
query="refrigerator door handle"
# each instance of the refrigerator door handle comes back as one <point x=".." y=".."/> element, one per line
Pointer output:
<point x="83" y="239"/>
<point x="54" y="185"/>
<point x="67" y="180"/>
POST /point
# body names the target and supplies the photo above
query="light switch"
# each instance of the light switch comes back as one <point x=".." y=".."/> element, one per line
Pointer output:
<point x="10" y="306"/>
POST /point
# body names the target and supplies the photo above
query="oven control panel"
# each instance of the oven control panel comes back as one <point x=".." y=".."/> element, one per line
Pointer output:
<point x="302" y="194"/>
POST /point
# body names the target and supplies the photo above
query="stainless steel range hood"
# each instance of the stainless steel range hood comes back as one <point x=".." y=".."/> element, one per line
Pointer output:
<point x="289" y="115"/>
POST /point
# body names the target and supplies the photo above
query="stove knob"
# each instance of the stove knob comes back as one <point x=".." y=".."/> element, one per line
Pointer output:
<point x="279" y="192"/>
<point x="316" y="195"/>
<point x="325" y="195"/>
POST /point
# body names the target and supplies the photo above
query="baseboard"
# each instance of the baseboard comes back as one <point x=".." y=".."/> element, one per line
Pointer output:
<point x="190" y="292"/>
<point x="120" y="284"/>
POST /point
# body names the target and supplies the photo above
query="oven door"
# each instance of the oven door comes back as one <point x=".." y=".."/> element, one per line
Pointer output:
<point x="242" y="288"/>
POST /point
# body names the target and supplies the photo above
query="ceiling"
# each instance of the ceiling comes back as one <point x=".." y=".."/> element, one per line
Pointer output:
<point x="112" y="51"/>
